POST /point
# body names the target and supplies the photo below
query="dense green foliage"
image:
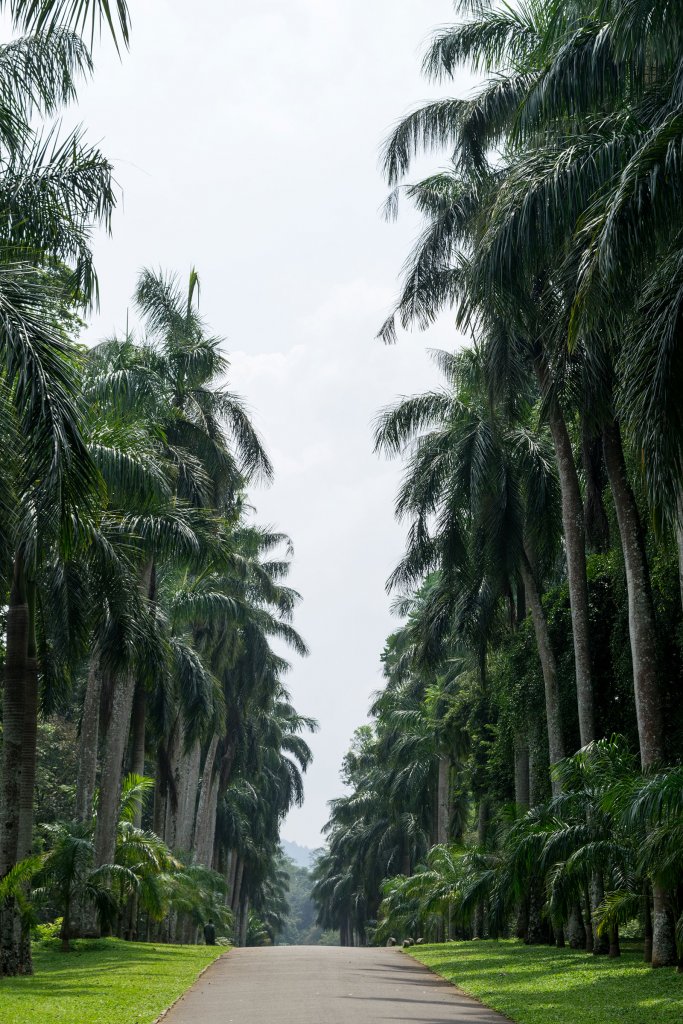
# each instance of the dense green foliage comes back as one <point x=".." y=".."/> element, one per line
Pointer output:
<point x="150" y="749"/>
<point x="521" y="775"/>
<point x="546" y="986"/>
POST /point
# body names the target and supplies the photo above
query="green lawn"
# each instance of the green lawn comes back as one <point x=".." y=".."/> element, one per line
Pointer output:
<point x="541" y="985"/>
<point x="102" y="982"/>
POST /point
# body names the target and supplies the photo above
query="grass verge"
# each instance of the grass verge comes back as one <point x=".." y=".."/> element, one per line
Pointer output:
<point x="542" y="985"/>
<point x="102" y="982"/>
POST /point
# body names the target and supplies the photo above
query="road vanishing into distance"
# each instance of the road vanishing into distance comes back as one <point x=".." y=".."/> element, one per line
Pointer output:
<point x="324" y="985"/>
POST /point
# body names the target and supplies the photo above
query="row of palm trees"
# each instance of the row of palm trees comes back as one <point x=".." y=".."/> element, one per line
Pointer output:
<point x="140" y="597"/>
<point x="550" y="459"/>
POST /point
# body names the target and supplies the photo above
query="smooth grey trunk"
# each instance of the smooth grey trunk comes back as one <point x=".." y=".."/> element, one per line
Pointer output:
<point x="188" y="787"/>
<point x="643" y="638"/>
<point x="90" y="725"/>
<point x="641" y="615"/>
<point x="576" y="933"/>
<point x="159" y="811"/>
<point x="170" y="825"/>
<point x="244" y="921"/>
<point x="575" y="544"/>
<point x="138" y="731"/>
<point x="521" y="772"/>
<point x="29" y="740"/>
<point x="113" y="752"/>
<point x="232" y="873"/>
<point x="548" y="667"/>
<point x="442" y="800"/>
<point x="202" y="852"/>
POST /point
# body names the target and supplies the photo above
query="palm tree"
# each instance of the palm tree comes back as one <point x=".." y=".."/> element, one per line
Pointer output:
<point x="475" y="475"/>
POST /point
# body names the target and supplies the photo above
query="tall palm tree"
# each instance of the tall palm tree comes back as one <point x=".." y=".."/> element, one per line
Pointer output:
<point x="473" y="474"/>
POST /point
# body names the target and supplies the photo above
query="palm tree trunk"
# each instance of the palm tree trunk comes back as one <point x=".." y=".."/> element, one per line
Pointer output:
<point x="575" y="544"/>
<point x="114" y="749"/>
<point x="244" y="921"/>
<point x="642" y="635"/>
<point x="16" y="663"/>
<point x="576" y="933"/>
<point x="548" y="667"/>
<point x="442" y="801"/>
<point x="641" y="616"/>
<point x="138" y="727"/>
<point x="90" y="725"/>
<point x="169" y="828"/>
<point x="188" y="787"/>
<point x="614" y="946"/>
<point x="239" y="871"/>
<point x="29" y="735"/>
<point x="204" y="828"/>
<point x="232" y="874"/>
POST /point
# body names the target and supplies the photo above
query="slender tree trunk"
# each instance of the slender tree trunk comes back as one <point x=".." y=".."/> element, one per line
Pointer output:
<point x="614" y="947"/>
<point x="29" y="735"/>
<point x="16" y="664"/>
<point x="90" y="725"/>
<point x="575" y="544"/>
<point x="576" y="933"/>
<point x="232" y="875"/>
<point x="204" y="829"/>
<point x="548" y="666"/>
<point x="442" y="800"/>
<point x="641" y="615"/>
<point x="244" y="921"/>
<point x="172" y="770"/>
<point x="159" y="811"/>
<point x="113" y="752"/>
<point x="138" y="727"/>
<point x="188" y="787"/>
<point x="238" y="884"/>
<point x="643" y="638"/>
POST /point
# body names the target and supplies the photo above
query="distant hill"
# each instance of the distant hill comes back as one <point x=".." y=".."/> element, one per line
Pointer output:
<point x="301" y="855"/>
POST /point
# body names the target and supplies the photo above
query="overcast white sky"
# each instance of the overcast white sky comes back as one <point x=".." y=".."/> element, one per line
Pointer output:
<point x="245" y="138"/>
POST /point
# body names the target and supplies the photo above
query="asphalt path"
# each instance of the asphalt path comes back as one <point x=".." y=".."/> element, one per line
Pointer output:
<point x="323" y="985"/>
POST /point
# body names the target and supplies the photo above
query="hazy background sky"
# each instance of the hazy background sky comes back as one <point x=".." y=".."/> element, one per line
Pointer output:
<point x="245" y="138"/>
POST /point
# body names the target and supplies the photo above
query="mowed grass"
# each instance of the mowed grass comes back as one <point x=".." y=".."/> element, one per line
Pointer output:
<point x="102" y="982"/>
<point x="543" y="985"/>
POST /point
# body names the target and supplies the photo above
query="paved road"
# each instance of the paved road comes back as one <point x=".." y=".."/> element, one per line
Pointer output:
<point x="323" y="985"/>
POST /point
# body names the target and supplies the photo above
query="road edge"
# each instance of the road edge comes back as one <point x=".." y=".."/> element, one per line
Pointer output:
<point x="165" y="1013"/>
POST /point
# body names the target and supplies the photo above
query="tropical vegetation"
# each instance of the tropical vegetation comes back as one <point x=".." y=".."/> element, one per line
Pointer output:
<point x="521" y="775"/>
<point x="145" y="611"/>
